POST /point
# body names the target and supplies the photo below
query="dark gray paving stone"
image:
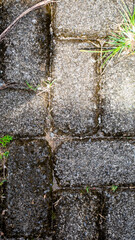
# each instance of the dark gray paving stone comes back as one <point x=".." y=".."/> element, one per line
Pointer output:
<point x="28" y="190"/>
<point x="118" y="101"/>
<point x="76" y="216"/>
<point x="27" y="45"/>
<point x="120" y="219"/>
<point x="74" y="104"/>
<point x="95" y="163"/>
<point x="45" y="238"/>
<point x="22" y="113"/>
<point x="4" y="238"/>
<point x="87" y="18"/>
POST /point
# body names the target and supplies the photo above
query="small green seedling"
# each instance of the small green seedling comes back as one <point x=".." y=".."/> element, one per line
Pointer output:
<point x="53" y="216"/>
<point x="50" y="83"/>
<point x="122" y="41"/>
<point x="114" y="188"/>
<point x="2" y="182"/>
<point x="32" y="88"/>
<point x="87" y="189"/>
<point x="6" y="139"/>
<point x="5" y="154"/>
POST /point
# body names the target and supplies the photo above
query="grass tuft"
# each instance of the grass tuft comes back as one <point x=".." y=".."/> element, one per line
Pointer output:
<point x="122" y="41"/>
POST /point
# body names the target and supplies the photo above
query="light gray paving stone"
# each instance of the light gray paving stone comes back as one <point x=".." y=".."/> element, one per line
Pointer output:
<point x="22" y="113"/>
<point x="95" y="163"/>
<point x="27" y="45"/>
<point x="76" y="216"/>
<point x="28" y="190"/>
<point x="74" y="103"/>
<point x="118" y="97"/>
<point x="120" y="220"/>
<point x="87" y="18"/>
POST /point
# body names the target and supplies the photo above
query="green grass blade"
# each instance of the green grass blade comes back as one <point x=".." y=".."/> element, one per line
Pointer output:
<point x="126" y="9"/>
<point x="95" y="51"/>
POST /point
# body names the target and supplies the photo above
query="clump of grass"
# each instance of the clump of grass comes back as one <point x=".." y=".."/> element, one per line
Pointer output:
<point x="122" y="41"/>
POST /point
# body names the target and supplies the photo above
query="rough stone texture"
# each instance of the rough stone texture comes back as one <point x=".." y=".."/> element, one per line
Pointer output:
<point x="74" y="108"/>
<point x="2" y="47"/>
<point x="87" y="18"/>
<point x="22" y="113"/>
<point x="28" y="190"/>
<point x="37" y="238"/>
<point x="95" y="163"/>
<point x="26" y="56"/>
<point x="80" y="211"/>
<point x="76" y="216"/>
<point x="118" y="98"/>
<point x="120" y="221"/>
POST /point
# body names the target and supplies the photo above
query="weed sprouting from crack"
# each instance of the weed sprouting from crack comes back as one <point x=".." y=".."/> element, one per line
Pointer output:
<point x="3" y="156"/>
<point x="122" y="42"/>
<point x="114" y="188"/>
<point x="5" y="140"/>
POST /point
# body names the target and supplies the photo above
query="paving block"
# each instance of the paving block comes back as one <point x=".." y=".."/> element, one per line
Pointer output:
<point x="28" y="190"/>
<point x="87" y="18"/>
<point x="76" y="216"/>
<point x="120" y="221"/>
<point x="44" y="238"/>
<point x="26" y="56"/>
<point x="22" y="113"/>
<point x="74" y="104"/>
<point x="13" y="238"/>
<point x="95" y="163"/>
<point x="118" y="101"/>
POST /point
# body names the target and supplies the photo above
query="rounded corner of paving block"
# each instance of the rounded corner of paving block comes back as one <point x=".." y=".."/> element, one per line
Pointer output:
<point x="119" y="214"/>
<point x="95" y="163"/>
<point x="22" y="113"/>
<point x="28" y="190"/>
<point x="117" y="94"/>
<point x="77" y="17"/>
<point x="74" y="103"/>
<point x="77" y="212"/>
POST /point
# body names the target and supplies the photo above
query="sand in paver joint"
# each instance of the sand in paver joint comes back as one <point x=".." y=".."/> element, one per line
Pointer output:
<point x="73" y="141"/>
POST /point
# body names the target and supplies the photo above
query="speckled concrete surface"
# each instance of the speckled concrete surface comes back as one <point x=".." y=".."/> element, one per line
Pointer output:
<point x="118" y="97"/>
<point x="22" y="113"/>
<point x="76" y="139"/>
<point x="28" y="189"/>
<point x="119" y="222"/>
<point x="95" y="163"/>
<point x="76" y="216"/>
<point x="87" y="18"/>
<point x="74" y="103"/>
<point x="27" y="45"/>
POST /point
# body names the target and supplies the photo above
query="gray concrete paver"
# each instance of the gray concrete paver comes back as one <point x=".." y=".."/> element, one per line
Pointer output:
<point x="22" y="113"/>
<point x="95" y="163"/>
<point x="118" y="97"/>
<point x="28" y="190"/>
<point x="95" y="19"/>
<point x="120" y="219"/>
<point x="74" y="105"/>
<point x="27" y="51"/>
<point x="76" y="216"/>
<point x="37" y="238"/>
